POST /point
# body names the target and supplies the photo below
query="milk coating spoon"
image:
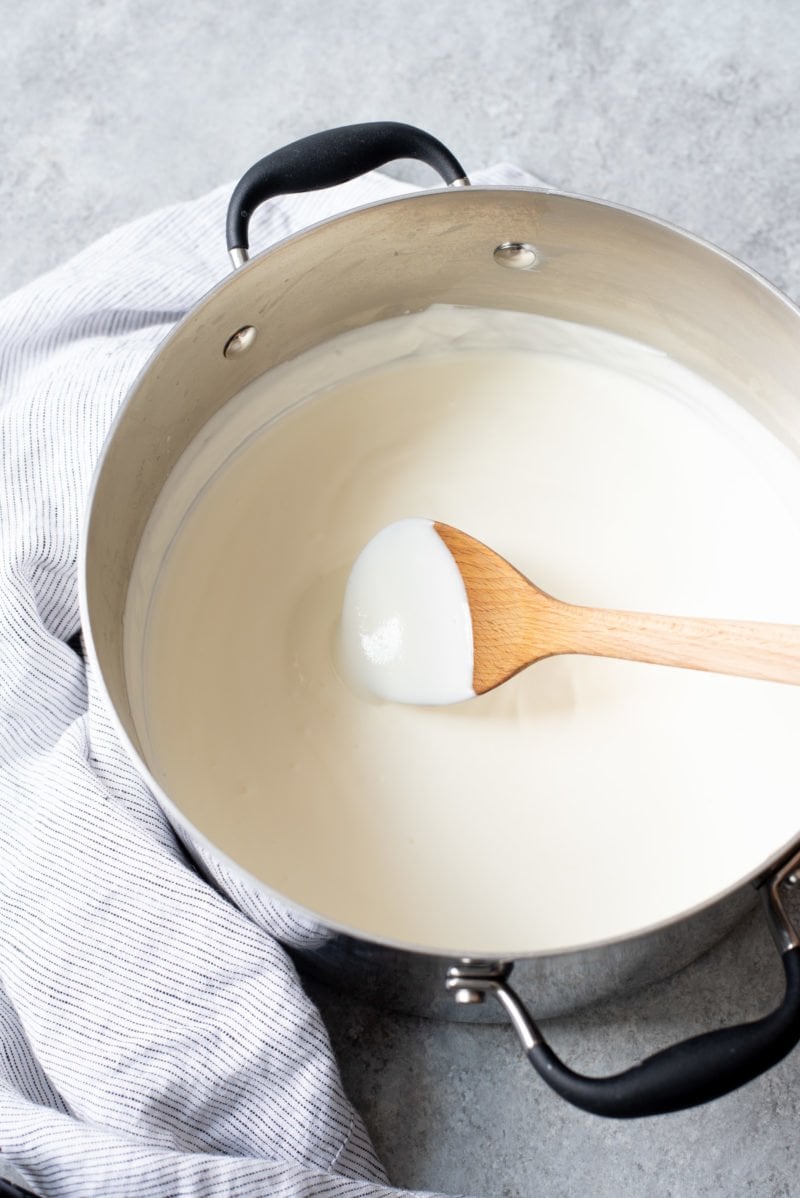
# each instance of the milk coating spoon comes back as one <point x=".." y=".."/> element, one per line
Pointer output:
<point x="432" y="616"/>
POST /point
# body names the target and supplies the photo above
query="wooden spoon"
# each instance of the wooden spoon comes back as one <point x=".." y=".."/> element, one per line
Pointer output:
<point x="515" y="624"/>
<point x="432" y="616"/>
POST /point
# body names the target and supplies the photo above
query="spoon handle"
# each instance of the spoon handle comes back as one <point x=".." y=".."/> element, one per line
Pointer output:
<point x="745" y="648"/>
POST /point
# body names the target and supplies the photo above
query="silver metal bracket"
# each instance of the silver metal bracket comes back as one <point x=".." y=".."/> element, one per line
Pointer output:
<point x="783" y="930"/>
<point x="471" y="981"/>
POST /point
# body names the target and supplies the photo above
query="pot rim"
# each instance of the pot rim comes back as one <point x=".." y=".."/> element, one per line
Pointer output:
<point x="754" y="877"/>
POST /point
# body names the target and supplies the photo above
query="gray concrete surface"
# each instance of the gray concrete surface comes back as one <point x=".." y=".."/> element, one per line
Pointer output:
<point x="686" y="109"/>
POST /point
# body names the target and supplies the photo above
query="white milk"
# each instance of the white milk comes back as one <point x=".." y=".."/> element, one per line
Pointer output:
<point x="583" y="799"/>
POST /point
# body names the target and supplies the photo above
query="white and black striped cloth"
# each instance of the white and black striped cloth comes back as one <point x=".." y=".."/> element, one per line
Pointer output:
<point x="154" y="1039"/>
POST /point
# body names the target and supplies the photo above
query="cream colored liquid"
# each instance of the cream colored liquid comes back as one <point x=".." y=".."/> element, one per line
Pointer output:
<point x="585" y="798"/>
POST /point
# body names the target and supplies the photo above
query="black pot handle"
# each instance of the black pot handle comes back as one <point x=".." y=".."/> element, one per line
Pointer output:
<point x="325" y="159"/>
<point x="685" y="1075"/>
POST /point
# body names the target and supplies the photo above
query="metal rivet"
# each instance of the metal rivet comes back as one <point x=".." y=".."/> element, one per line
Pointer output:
<point x="792" y="880"/>
<point x="465" y="995"/>
<point x="516" y="254"/>
<point x="240" y="342"/>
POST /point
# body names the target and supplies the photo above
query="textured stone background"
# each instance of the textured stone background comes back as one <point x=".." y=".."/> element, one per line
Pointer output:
<point x="686" y="109"/>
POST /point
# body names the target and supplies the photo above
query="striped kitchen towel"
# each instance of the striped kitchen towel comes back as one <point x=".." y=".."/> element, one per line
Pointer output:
<point x="154" y="1037"/>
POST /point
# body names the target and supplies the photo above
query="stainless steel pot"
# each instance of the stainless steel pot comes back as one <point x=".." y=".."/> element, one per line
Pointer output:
<point x="511" y="248"/>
